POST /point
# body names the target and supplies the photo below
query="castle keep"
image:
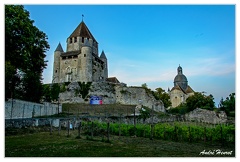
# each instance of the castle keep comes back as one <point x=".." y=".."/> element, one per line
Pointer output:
<point x="81" y="62"/>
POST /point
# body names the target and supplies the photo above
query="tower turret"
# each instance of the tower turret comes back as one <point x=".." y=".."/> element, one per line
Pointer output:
<point x="56" y="65"/>
<point x="105" y="70"/>
<point x="86" y="62"/>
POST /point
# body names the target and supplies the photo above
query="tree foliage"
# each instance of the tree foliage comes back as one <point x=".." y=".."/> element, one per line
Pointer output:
<point x="159" y="94"/>
<point x="199" y="100"/>
<point x="144" y="114"/>
<point x="180" y="109"/>
<point x="25" y="47"/>
<point x="228" y="104"/>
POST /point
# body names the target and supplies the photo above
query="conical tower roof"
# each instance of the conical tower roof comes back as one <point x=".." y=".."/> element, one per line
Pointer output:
<point x="82" y="31"/>
<point x="103" y="56"/>
<point x="59" y="48"/>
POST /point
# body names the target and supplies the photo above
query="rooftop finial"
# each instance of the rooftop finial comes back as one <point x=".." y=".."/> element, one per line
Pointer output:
<point x="82" y="17"/>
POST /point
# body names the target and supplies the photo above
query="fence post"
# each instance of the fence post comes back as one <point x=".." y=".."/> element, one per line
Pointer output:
<point x="92" y="130"/>
<point x="205" y="136"/>
<point x="59" y="127"/>
<point x="189" y="131"/>
<point x="108" y="131"/>
<point x="119" y="130"/>
<point x="79" y="129"/>
<point x="50" y="126"/>
<point x="221" y="136"/>
<point x="151" y="135"/>
<point x="164" y="133"/>
<point x="175" y="133"/>
<point x="68" y="128"/>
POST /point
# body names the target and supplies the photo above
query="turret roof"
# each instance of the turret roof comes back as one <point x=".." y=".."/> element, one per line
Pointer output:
<point x="103" y="56"/>
<point x="82" y="31"/>
<point x="59" y="48"/>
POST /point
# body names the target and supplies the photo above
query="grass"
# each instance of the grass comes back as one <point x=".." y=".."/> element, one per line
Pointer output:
<point x="42" y="144"/>
<point x="113" y="110"/>
<point x="98" y="110"/>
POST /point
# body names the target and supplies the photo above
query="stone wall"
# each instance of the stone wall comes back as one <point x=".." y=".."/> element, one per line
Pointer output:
<point x="18" y="109"/>
<point x="197" y="115"/>
<point x="206" y="116"/>
<point x="113" y="93"/>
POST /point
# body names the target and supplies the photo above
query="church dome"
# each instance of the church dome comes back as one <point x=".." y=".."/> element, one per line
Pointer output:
<point x="181" y="79"/>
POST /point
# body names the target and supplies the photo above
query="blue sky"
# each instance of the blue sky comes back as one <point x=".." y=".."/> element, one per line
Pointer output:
<point x="146" y="43"/>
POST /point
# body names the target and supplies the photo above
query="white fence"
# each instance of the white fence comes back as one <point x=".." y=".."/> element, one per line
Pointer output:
<point x="18" y="109"/>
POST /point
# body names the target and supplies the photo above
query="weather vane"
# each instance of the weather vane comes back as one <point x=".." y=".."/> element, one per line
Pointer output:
<point x="82" y="17"/>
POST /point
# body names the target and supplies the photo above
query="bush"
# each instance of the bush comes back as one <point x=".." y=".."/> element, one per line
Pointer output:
<point x="181" y="109"/>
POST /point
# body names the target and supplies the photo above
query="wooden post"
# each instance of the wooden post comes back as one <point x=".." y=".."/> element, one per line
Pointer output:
<point x="50" y="126"/>
<point x="119" y="129"/>
<point x="92" y="131"/>
<point x="164" y="133"/>
<point x="144" y="131"/>
<point x="189" y="131"/>
<point x="151" y="132"/>
<point x="59" y="127"/>
<point x="205" y="136"/>
<point x="108" y="131"/>
<point x="175" y="133"/>
<point x="68" y="128"/>
<point x="79" y="129"/>
<point x="221" y="136"/>
<point x="134" y="121"/>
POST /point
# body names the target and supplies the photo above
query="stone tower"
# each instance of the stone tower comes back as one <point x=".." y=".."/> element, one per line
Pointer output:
<point x="104" y="59"/>
<point x="81" y="62"/>
<point x="56" y="65"/>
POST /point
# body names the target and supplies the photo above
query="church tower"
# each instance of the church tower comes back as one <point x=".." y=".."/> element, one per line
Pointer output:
<point x="181" y="90"/>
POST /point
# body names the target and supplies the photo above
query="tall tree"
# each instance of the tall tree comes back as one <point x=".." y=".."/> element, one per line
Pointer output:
<point x="228" y="104"/>
<point x="25" y="47"/>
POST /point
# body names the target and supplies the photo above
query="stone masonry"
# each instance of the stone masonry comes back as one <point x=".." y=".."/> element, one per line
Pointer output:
<point x="18" y="109"/>
<point x="111" y="94"/>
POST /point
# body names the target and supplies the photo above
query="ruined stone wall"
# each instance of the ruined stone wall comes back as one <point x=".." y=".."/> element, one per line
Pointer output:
<point x="18" y="109"/>
<point x="206" y="116"/>
<point x="114" y="93"/>
<point x="137" y="96"/>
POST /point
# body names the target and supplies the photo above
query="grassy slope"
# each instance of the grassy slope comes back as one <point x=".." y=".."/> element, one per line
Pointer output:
<point x="45" y="145"/>
<point x="100" y="110"/>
